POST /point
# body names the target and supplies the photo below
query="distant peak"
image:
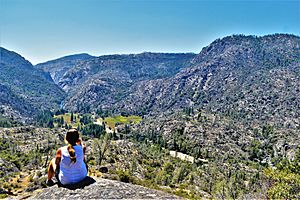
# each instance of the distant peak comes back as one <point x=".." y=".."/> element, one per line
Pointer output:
<point x="76" y="56"/>
<point x="80" y="56"/>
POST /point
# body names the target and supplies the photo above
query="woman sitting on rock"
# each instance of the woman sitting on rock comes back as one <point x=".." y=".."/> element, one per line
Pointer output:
<point x="68" y="166"/>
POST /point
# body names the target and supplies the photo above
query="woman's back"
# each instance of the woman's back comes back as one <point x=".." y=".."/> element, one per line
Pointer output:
<point x="72" y="172"/>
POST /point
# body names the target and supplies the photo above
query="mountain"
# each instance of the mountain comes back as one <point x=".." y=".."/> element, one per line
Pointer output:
<point x="24" y="89"/>
<point x="239" y="100"/>
<point x="247" y="77"/>
<point x="58" y="67"/>
<point x="237" y="91"/>
<point x="103" y="81"/>
<point x="234" y="75"/>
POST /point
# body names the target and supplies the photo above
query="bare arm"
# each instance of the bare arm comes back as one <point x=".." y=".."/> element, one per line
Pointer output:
<point x="84" y="149"/>
<point x="58" y="157"/>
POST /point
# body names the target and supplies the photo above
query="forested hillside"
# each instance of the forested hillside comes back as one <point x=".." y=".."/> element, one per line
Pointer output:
<point x="247" y="77"/>
<point x="25" y="90"/>
<point x="101" y="82"/>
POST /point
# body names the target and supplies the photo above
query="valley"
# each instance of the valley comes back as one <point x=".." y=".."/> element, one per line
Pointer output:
<point x="221" y="124"/>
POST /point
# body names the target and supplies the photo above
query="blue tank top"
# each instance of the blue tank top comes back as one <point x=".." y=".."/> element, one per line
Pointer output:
<point x="71" y="172"/>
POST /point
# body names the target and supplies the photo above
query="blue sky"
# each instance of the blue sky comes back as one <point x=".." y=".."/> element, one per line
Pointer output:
<point x="41" y="30"/>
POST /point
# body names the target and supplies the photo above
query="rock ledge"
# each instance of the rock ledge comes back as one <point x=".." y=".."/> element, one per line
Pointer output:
<point x="102" y="189"/>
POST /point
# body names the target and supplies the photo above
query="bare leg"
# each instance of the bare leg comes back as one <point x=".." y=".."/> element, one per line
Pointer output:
<point x="51" y="169"/>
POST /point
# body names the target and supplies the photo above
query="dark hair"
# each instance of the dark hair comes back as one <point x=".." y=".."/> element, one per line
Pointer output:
<point x="72" y="137"/>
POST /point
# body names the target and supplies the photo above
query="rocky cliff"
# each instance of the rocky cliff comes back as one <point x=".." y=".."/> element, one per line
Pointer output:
<point x="58" y="67"/>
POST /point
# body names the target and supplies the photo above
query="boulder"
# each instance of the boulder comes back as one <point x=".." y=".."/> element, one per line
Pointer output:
<point x="103" y="169"/>
<point x="98" y="188"/>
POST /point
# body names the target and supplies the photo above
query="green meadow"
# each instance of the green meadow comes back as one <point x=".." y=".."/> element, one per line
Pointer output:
<point x="109" y="121"/>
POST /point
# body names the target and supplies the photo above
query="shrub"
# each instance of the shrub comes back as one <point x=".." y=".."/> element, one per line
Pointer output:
<point x="124" y="176"/>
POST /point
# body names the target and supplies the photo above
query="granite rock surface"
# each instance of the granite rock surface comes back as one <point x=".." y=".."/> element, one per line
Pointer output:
<point x="99" y="188"/>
